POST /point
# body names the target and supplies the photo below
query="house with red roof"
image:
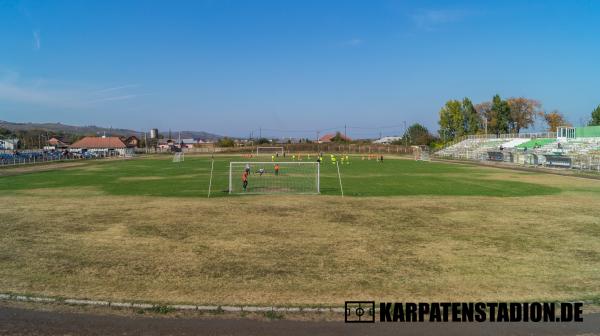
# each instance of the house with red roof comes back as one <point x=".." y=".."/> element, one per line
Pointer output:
<point x="330" y="136"/>
<point x="55" y="144"/>
<point x="105" y="146"/>
<point x="131" y="141"/>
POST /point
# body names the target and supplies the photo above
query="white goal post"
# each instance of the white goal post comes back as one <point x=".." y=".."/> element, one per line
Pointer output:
<point x="179" y="157"/>
<point x="269" y="150"/>
<point x="421" y="153"/>
<point x="274" y="177"/>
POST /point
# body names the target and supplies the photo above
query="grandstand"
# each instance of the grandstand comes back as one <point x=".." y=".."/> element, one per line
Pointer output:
<point x="569" y="147"/>
<point x="13" y="158"/>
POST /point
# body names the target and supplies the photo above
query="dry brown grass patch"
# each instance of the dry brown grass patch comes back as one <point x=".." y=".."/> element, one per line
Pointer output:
<point x="300" y="250"/>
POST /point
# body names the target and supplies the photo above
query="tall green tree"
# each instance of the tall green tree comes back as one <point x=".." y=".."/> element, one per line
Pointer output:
<point x="451" y="120"/>
<point x="471" y="120"/>
<point x="416" y="134"/>
<point x="500" y="113"/>
<point x="595" y="121"/>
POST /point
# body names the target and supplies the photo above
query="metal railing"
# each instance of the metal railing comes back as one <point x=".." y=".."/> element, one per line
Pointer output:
<point x="17" y="160"/>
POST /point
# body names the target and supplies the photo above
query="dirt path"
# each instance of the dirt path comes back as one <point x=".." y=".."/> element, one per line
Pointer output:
<point x="20" y="321"/>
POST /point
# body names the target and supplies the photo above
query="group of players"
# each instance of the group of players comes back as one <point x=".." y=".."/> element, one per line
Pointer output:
<point x="260" y="172"/>
<point x="334" y="160"/>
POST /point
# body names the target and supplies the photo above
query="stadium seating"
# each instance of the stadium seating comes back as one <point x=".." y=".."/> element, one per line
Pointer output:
<point x="30" y="157"/>
<point x="471" y="149"/>
<point x="535" y="143"/>
<point x="581" y="153"/>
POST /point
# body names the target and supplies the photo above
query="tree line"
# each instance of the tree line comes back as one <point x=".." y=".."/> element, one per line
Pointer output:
<point x="36" y="138"/>
<point x="498" y="116"/>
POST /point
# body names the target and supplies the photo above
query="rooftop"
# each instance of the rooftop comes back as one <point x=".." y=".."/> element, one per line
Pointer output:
<point x="99" y="142"/>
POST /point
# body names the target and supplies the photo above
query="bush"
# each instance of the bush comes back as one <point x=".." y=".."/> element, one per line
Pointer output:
<point x="225" y="142"/>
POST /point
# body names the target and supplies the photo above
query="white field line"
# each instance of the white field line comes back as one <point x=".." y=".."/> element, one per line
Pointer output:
<point x="142" y="305"/>
<point x="340" y="178"/>
<point x="204" y="308"/>
<point x="212" y="165"/>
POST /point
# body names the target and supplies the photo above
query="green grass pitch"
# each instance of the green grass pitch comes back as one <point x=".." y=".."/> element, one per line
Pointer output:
<point x="158" y="176"/>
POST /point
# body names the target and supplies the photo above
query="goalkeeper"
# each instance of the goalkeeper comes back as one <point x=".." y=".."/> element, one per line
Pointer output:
<point x="245" y="180"/>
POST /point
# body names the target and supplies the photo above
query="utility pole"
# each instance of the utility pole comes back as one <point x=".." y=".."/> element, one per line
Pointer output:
<point x="259" y="133"/>
<point x="345" y="136"/>
<point x="405" y="135"/>
<point x="486" y="127"/>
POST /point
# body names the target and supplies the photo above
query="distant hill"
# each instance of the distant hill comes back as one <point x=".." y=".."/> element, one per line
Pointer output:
<point x="191" y="134"/>
<point x="96" y="130"/>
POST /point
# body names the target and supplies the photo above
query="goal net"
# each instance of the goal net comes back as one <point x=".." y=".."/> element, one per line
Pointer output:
<point x="274" y="177"/>
<point x="269" y="150"/>
<point x="179" y="157"/>
<point x="421" y="153"/>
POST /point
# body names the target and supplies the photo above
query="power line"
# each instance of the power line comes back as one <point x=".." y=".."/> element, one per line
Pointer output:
<point x="376" y="128"/>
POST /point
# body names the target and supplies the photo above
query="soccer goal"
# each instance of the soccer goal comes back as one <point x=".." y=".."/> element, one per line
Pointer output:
<point x="421" y="153"/>
<point x="179" y="157"/>
<point x="274" y="178"/>
<point x="269" y="151"/>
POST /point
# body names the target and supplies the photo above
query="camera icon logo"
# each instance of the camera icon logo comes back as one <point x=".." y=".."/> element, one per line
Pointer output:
<point x="359" y="312"/>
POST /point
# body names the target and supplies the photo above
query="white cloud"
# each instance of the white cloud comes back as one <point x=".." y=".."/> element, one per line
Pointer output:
<point x="115" y="88"/>
<point x="355" y="42"/>
<point x="30" y="94"/>
<point x="36" y="40"/>
<point x="123" y="97"/>
<point x="56" y="94"/>
<point x="432" y="18"/>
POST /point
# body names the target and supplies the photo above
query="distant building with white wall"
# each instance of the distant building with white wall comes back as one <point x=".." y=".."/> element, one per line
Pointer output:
<point x="9" y="144"/>
<point x="387" y="140"/>
<point x="101" y="145"/>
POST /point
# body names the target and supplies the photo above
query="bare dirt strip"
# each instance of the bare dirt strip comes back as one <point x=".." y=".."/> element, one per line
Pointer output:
<point x="27" y="321"/>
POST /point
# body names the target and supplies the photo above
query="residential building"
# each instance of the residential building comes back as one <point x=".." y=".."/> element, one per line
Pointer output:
<point x="330" y="136"/>
<point x="9" y="144"/>
<point x="101" y="146"/>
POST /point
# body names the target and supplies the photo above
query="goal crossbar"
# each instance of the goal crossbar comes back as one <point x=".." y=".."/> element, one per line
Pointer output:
<point x="266" y="150"/>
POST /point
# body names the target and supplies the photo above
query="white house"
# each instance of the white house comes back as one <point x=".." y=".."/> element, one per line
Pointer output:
<point x="187" y="143"/>
<point x="101" y="145"/>
<point x="9" y="144"/>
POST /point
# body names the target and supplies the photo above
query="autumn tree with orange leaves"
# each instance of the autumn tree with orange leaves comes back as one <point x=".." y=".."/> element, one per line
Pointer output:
<point x="554" y="120"/>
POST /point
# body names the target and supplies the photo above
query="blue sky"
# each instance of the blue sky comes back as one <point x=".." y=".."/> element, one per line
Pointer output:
<point x="290" y="67"/>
